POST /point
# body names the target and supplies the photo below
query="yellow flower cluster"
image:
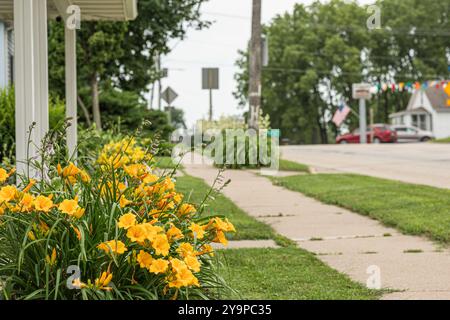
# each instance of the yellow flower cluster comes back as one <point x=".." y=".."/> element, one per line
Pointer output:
<point x="72" y="173"/>
<point x="23" y="201"/>
<point x="126" y="212"/>
<point x="122" y="153"/>
<point x="158" y="228"/>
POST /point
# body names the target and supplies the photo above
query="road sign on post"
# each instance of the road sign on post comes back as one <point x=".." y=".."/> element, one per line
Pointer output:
<point x="169" y="95"/>
<point x="361" y="92"/>
<point x="210" y="81"/>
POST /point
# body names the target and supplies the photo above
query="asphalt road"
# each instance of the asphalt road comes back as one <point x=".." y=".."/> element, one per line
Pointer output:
<point x="421" y="163"/>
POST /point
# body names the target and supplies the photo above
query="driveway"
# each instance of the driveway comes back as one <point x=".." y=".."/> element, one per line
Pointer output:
<point x="421" y="163"/>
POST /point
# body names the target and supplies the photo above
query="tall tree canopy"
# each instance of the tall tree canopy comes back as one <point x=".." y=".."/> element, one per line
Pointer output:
<point x="318" y="51"/>
<point x="121" y="55"/>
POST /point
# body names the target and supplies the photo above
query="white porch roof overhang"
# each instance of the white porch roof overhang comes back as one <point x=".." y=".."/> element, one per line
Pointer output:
<point x="31" y="65"/>
<point x="118" y="10"/>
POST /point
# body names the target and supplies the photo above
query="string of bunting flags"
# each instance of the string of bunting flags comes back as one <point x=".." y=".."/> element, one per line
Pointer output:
<point x="408" y="86"/>
<point x="344" y="110"/>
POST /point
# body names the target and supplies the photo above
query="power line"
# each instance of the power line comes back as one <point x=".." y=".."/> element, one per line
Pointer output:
<point x="200" y="62"/>
<point x="434" y="31"/>
<point x="226" y="15"/>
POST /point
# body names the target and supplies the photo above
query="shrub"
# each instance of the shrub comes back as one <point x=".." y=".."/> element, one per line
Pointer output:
<point x="123" y="231"/>
<point x="242" y="151"/>
<point x="123" y="110"/>
<point x="7" y="121"/>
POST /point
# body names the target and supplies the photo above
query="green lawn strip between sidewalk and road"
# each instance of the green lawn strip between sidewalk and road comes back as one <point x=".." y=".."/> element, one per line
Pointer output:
<point x="444" y="140"/>
<point x="412" y="209"/>
<point x="286" y="165"/>
<point x="282" y="273"/>
<point x="287" y="274"/>
<point x="247" y="227"/>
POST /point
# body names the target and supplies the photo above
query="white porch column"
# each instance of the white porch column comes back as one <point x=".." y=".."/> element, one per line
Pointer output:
<point x="71" y="90"/>
<point x="3" y="56"/>
<point x="31" y="78"/>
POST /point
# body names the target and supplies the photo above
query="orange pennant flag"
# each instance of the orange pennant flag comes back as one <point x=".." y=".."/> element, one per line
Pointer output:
<point x="447" y="91"/>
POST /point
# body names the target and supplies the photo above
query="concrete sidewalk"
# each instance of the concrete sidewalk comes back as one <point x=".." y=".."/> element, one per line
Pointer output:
<point x="348" y="242"/>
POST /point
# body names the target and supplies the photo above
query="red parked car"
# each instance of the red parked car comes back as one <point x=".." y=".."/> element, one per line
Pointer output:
<point x="382" y="133"/>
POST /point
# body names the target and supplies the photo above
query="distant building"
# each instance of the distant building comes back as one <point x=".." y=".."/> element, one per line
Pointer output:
<point x="428" y="111"/>
<point x="6" y="54"/>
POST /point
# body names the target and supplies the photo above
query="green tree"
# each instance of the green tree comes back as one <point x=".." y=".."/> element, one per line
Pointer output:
<point x="318" y="51"/>
<point x="313" y="62"/>
<point x="120" y="55"/>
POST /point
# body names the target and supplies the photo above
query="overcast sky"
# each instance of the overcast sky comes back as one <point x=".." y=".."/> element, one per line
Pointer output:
<point x="215" y="47"/>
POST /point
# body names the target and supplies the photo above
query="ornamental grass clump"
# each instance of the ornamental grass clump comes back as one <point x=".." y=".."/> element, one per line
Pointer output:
<point x="114" y="231"/>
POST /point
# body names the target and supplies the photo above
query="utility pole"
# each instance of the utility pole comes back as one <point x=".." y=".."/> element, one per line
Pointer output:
<point x="152" y="94"/>
<point x="210" y="105"/>
<point x="159" y="82"/>
<point x="255" y="66"/>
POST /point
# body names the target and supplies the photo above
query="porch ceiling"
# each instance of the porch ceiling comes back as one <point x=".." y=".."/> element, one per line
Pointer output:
<point x="117" y="10"/>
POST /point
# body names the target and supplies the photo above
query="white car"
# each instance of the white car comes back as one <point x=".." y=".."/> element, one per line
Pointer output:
<point x="412" y="134"/>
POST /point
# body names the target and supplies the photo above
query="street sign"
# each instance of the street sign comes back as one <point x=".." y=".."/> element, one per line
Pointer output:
<point x="210" y="78"/>
<point x="169" y="95"/>
<point x="361" y="91"/>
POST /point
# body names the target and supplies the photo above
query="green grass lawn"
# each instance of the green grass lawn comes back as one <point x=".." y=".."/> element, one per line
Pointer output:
<point x="413" y="209"/>
<point x="286" y="165"/>
<point x="283" y="273"/>
<point x="287" y="274"/>
<point x="166" y="163"/>
<point x="445" y="140"/>
<point x="248" y="228"/>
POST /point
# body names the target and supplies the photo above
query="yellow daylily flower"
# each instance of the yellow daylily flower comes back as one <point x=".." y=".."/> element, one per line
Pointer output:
<point x="144" y="259"/>
<point x="29" y="186"/>
<point x="174" y="233"/>
<point x="26" y="203"/>
<point x="159" y="266"/>
<point x="137" y="233"/>
<point x="123" y="202"/>
<point x="77" y="232"/>
<point x="127" y="221"/>
<point x="51" y="260"/>
<point x="8" y="193"/>
<point x="102" y="282"/>
<point x="186" y="249"/>
<point x="192" y="263"/>
<point x="161" y="245"/>
<point x="220" y="238"/>
<point x="184" y="278"/>
<point x="117" y="247"/>
<point x="186" y="209"/>
<point x="3" y="175"/>
<point x="43" y="203"/>
<point x="197" y="230"/>
<point x="68" y="207"/>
